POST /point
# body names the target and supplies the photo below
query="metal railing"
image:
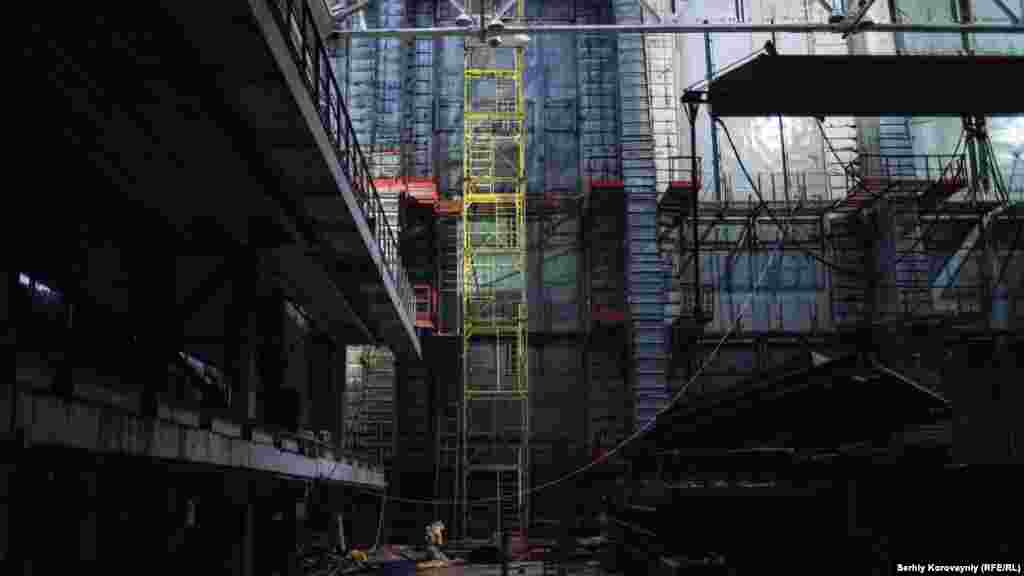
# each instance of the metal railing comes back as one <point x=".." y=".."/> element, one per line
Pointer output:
<point x="935" y="168"/>
<point x="297" y="25"/>
<point x="677" y="169"/>
<point x="807" y="186"/>
<point x="688" y="305"/>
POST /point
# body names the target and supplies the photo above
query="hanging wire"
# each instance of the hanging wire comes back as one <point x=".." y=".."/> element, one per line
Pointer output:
<point x="1006" y="260"/>
<point x="786" y="235"/>
<point x="640" y="431"/>
<point x="726" y="68"/>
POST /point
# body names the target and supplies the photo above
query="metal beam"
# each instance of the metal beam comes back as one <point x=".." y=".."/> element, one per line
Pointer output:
<point x="343" y="14"/>
<point x="504" y="9"/>
<point x="1006" y="10"/>
<point x="850" y="24"/>
<point x="672" y="28"/>
<point x="646" y="4"/>
<point x="826" y="6"/>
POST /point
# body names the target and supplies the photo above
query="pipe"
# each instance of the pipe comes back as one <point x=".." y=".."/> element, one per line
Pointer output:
<point x="1006" y="10"/>
<point x="715" y="159"/>
<point x="343" y="14"/>
<point x="906" y="380"/>
<point x="691" y="29"/>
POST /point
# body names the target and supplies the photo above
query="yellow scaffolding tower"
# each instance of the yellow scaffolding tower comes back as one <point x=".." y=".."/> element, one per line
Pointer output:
<point x="495" y="402"/>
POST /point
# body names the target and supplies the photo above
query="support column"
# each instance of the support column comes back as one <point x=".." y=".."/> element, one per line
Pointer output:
<point x="248" y="551"/>
<point x="270" y="354"/>
<point x="240" y="351"/>
<point x="323" y="410"/>
<point x="339" y="361"/>
<point x="8" y="390"/>
<point x="88" y="514"/>
<point x="568" y="515"/>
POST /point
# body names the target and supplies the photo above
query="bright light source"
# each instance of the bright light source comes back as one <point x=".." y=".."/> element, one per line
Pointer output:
<point x="24" y="280"/>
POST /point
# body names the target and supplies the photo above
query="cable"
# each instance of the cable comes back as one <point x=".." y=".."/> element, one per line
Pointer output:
<point x="785" y="230"/>
<point x="641" y="430"/>
<point x="1009" y="254"/>
<point x="726" y="68"/>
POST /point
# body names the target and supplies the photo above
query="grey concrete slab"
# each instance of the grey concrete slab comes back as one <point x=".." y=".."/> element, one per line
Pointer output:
<point x="52" y="421"/>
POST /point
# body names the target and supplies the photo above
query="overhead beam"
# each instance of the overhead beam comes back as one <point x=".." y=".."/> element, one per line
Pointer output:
<point x="458" y="6"/>
<point x="504" y="9"/>
<point x="851" y="23"/>
<point x="646" y="4"/>
<point x="826" y="6"/>
<point x="342" y="14"/>
<point x="673" y="28"/>
<point x="1006" y="10"/>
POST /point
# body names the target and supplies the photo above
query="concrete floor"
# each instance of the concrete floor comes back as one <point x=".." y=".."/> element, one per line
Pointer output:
<point x="526" y="569"/>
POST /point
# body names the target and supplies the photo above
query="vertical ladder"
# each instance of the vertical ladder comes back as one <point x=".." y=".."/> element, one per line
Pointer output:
<point x="508" y="490"/>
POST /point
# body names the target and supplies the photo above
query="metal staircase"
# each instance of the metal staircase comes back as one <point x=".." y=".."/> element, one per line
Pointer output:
<point x="849" y="243"/>
<point x="913" y="266"/>
<point x="509" y="492"/>
<point x="895" y="144"/>
<point x="598" y="101"/>
<point x="644" y="271"/>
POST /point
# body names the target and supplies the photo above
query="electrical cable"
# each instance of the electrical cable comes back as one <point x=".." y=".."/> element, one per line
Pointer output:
<point x="771" y="214"/>
<point x="1009" y="254"/>
<point x="639" y="431"/>
<point x="725" y="69"/>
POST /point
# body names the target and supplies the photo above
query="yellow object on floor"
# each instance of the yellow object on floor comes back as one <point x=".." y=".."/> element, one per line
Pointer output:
<point x="359" y="556"/>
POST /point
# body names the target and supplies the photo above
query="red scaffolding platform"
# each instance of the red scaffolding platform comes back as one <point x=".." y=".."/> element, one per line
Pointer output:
<point x="422" y="192"/>
<point x="427" y="301"/>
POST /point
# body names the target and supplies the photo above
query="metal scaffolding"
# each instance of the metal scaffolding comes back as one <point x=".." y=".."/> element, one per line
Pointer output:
<point x="495" y="400"/>
<point x="372" y="411"/>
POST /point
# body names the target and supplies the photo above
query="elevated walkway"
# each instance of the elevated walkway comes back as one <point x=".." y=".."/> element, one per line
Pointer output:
<point x="226" y="114"/>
